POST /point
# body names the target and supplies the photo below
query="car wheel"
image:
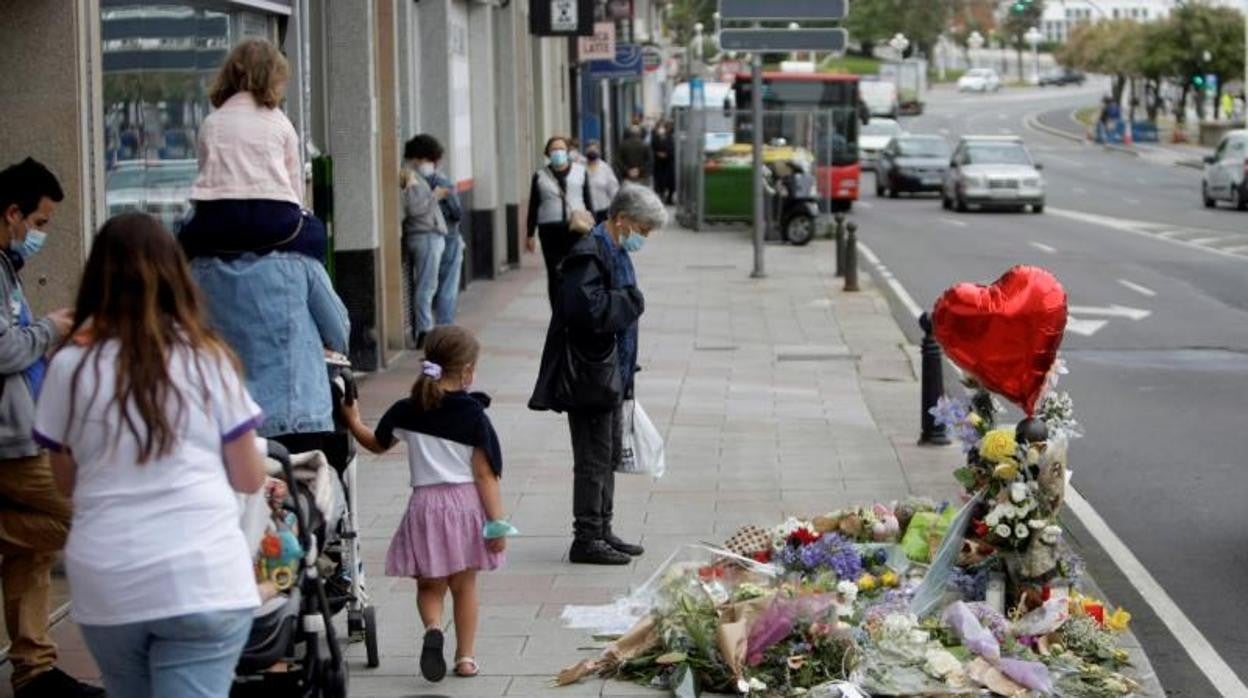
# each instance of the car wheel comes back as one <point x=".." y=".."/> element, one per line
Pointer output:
<point x="1037" y="208"/>
<point x="945" y="203"/>
<point x="893" y="193"/>
<point x="879" y="185"/>
<point x="1204" y="195"/>
<point x="1238" y="199"/>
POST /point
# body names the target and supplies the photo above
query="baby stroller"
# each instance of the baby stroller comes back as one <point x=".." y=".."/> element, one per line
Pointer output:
<point x="331" y="575"/>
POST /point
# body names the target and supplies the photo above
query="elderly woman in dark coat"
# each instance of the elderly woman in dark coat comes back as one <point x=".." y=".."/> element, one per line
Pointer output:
<point x="589" y="361"/>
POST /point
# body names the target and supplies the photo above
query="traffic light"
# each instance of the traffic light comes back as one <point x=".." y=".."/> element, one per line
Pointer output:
<point x="1198" y="81"/>
<point x="1020" y="6"/>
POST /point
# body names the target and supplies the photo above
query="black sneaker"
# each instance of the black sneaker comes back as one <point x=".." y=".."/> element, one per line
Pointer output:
<point x="627" y="548"/>
<point x="596" y="552"/>
<point x="432" y="661"/>
<point x="55" y="682"/>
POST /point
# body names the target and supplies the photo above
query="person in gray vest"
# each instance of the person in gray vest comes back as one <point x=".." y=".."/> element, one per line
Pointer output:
<point x="603" y="184"/>
<point x="559" y="189"/>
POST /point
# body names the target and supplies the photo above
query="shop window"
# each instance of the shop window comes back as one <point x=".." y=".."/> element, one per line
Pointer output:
<point x="159" y="59"/>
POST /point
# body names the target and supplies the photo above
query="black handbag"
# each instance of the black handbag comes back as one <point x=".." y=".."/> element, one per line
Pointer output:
<point x="589" y="380"/>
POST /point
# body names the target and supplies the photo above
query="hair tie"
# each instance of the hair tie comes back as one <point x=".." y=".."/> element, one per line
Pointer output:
<point x="431" y="369"/>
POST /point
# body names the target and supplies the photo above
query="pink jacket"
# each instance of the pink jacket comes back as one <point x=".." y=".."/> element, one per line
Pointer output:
<point x="247" y="151"/>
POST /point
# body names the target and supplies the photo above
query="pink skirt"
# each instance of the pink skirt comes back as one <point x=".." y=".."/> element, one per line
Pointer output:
<point x="440" y="534"/>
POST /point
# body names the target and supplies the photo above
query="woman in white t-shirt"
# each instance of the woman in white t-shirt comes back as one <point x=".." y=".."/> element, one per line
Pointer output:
<point x="160" y="575"/>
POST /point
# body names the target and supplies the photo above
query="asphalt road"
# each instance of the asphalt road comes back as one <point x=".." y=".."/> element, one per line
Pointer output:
<point x="1160" y="373"/>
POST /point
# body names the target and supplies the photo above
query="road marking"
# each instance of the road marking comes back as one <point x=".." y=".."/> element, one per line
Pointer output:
<point x="1043" y="247"/>
<point x="1113" y="310"/>
<point x="1238" y="249"/>
<point x="1210" y="241"/>
<point x="1134" y="227"/>
<point x="865" y="204"/>
<point x="1142" y="290"/>
<point x="1188" y="635"/>
<point x="1084" y="328"/>
<point x="944" y="131"/>
<point x="1136" y="574"/>
<point x="953" y="221"/>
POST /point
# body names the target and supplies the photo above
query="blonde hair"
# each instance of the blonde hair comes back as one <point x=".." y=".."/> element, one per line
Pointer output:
<point x="255" y="66"/>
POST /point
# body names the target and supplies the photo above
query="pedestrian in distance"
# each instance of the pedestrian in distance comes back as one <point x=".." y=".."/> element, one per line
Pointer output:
<point x="559" y="200"/>
<point x="249" y="194"/>
<point x="663" y="152"/>
<point x="588" y="364"/>
<point x="152" y="433"/>
<point x="634" y="157"/>
<point x="425" y="232"/>
<point x="425" y="152"/>
<point x="603" y="184"/>
<point x="454" y="525"/>
<point x="34" y="515"/>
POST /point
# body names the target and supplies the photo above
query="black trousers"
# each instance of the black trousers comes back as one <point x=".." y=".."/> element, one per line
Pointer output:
<point x="557" y="240"/>
<point x="597" y="446"/>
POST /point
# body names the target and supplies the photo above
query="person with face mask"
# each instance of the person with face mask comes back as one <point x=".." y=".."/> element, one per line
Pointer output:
<point x="34" y="515"/>
<point x="425" y="233"/>
<point x="426" y="152"/>
<point x="664" y="152"/>
<point x="596" y="313"/>
<point x="634" y="158"/>
<point x="559" y="196"/>
<point x="603" y="184"/>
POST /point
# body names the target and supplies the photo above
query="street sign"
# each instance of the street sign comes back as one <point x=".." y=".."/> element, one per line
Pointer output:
<point x="651" y="57"/>
<point x="780" y="40"/>
<point x="600" y="46"/>
<point x="788" y="10"/>
<point x="563" y="15"/>
<point x="625" y="64"/>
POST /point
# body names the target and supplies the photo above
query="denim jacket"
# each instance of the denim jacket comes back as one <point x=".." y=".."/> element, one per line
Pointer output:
<point x="279" y="312"/>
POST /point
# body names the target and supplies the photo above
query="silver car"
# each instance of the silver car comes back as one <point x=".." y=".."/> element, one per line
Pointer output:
<point x="993" y="172"/>
<point x="1224" y="177"/>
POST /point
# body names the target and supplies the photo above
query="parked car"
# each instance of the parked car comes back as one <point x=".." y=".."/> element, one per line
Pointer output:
<point x="993" y="171"/>
<point x="1062" y="76"/>
<point x="161" y="188"/>
<point x="872" y="138"/>
<point x="1224" y="176"/>
<point x="912" y="163"/>
<point x="979" y="80"/>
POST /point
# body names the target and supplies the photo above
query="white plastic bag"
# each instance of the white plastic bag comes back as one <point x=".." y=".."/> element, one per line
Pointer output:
<point x="643" y="444"/>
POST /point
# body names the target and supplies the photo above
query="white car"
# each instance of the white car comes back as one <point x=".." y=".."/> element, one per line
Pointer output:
<point x="1226" y="172"/>
<point x="979" y="80"/>
<point x="993" y="172"/>
<point x="161" y="188"/>
<point x="874" y="137"/>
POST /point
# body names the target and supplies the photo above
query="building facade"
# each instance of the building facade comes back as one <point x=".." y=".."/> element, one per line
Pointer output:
<point x="1062" y="16"/>
<point x="110" y="95"/>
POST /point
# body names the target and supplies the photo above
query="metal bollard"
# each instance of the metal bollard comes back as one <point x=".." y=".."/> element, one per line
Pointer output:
<point x="839" y="234"/>
<point x="851" y="257"/>
<point x="933" y="386"/>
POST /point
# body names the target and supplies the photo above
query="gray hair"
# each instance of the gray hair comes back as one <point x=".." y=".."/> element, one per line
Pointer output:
<point x="640" y="204"/>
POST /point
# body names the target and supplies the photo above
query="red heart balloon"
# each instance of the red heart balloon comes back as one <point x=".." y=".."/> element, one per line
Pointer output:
<point x="1005" y="335"/>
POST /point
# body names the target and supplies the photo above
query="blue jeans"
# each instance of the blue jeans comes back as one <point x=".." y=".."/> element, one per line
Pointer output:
<point x="425" y="252"/>
<point x="189" y="656"/>
<point x="449" y="272"/>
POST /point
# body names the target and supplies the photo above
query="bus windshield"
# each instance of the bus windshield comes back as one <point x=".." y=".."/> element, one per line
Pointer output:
<point x="817" y="112"/>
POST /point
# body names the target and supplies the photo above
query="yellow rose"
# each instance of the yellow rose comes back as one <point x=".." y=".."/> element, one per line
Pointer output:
<point x="1118" y="620"/>
<point x="998" y="446"/>
<point x="890" y="579"/>
<point x="1006" y="471"/>
<point x="866" y="582"/>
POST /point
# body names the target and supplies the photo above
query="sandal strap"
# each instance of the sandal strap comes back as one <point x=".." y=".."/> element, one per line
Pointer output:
<point x="471" y="661"/>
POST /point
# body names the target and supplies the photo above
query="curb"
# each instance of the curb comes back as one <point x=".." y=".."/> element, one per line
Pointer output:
<point x="1035" y="124"/>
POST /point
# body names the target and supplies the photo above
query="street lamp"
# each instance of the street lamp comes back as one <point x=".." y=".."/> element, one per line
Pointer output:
<point x="1034" y="37"/>
<point x="975" y="42"/>
<point x="900" y="43"/>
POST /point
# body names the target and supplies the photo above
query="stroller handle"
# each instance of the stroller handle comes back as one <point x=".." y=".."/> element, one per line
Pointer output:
<point x="278" y="452"/>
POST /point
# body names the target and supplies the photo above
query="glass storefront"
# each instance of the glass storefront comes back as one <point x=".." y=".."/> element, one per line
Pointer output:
<point x="159" y="60"/>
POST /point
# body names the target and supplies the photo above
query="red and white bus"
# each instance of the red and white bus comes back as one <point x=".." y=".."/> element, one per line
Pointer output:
<point x="819" y="111"/>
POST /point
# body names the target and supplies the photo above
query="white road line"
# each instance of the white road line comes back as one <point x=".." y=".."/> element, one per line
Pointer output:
<point x="1211" y="240"/>
<point x="1043" y="247"/>
<point x="1188" y="635"/>
<point x="864" y="204"/>
<point x="952" y="221"/>
<point x="1084" y="328"/>
<point x="1140" y="289"/>
<point x="1238" y="249"/>
<point x="1131" y="227"/>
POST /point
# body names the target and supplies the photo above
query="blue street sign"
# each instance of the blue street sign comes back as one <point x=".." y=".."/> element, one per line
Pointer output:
<point x="697" y="93"/>
<point x="626" y="64"/>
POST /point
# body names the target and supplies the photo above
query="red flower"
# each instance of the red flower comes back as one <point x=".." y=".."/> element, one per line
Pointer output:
<point x="803" y="536"/>
<point x="763" y="556"/>
<point x="1095" y="611"/>
<point x="981" y="528"/>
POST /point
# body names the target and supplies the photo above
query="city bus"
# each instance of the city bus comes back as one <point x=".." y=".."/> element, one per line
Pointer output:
<point x="818" y="111"/>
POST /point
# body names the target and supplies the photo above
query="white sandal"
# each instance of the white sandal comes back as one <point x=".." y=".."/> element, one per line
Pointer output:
<point x="470" y="661"/>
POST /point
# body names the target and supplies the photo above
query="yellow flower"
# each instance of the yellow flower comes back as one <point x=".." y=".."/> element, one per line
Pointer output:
<point x="866" y="582"/>
<point x="890" y="579"/>
<point x="998" y="446"/>
<point x="1006" y="471"/>
<point x="975" y="420"/>
<point x="1118" y="620"/>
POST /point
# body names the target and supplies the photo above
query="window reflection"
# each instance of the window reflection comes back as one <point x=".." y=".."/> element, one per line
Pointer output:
<point x="159" y="62"/>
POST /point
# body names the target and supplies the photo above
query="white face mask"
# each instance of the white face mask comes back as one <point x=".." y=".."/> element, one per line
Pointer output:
<point x="426" y="169"/>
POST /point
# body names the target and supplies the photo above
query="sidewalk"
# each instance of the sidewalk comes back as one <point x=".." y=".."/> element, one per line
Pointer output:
<point x="781" y="396"/>
<point x="1062" y="123"/>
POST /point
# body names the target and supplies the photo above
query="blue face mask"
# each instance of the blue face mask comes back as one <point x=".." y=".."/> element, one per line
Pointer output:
<point x="31" y="245"/>
<point x="558" y="157"/>
<point x="633" y="242"/>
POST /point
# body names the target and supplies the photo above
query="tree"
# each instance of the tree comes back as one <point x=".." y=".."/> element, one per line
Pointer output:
<point x="872" y="22"/>
<point x="1021" y="16"/>
<point x="683" y="14"/>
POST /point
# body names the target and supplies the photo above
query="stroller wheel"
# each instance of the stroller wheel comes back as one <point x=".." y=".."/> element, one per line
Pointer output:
<point x="355" y="624"/>
<point x="370" y="637"/>
<point x="334" y="679"/>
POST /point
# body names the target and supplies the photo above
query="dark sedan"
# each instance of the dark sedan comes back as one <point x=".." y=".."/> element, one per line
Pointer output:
<point x="912" y="163"/>
<point x="1062" y="76"/>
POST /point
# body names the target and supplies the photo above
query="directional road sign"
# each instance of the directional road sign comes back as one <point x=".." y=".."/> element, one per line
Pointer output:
<point x="780" y="40"/>
<point x="764" y="10"/>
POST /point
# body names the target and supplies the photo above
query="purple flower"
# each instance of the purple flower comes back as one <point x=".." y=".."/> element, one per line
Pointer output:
<point x="970" y="585"/>
<point x="950" y="412"/>
<point x="831" y="552"/>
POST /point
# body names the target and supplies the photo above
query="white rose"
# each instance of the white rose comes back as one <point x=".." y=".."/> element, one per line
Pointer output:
<point x="847" y="589"/>
<point x="993" y="518"/>
<point x="1051" y="535"/>
<point x="941" y="663"/>
<point x="1021" y="531"/>
<point x="1037" y="524"/>
<point x="1003" y="531"/>
<point x="1018" y="492"/>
